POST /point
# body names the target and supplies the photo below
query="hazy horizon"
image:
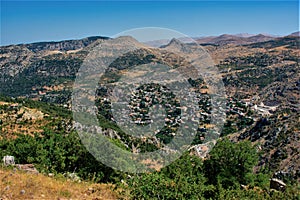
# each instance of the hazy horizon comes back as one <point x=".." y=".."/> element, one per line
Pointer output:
<point x="27" y="22"/>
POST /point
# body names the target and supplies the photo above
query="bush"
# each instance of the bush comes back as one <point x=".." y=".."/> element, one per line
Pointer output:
<point x="231" y="164"/>
<point x="57" y="152"/>
<point x="183" y="179"/>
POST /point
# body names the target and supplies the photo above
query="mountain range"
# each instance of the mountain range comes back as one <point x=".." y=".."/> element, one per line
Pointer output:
<point x="234" y="39"/>
<point x="260" y="74"/>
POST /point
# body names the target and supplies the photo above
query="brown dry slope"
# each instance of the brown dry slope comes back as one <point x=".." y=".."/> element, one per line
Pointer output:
<point x="16" y="185"/>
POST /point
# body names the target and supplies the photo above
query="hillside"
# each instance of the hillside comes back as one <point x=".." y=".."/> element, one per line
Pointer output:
<point x="261" y="75"/>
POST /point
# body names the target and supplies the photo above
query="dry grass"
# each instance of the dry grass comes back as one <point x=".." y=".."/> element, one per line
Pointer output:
<point x="21" y="185"/>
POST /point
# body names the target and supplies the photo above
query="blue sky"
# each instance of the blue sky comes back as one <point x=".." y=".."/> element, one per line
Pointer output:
<point x="32" y="21"/>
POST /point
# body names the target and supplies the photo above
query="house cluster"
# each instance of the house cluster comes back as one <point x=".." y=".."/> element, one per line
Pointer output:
<point x="264" y="110"/>
<point x="149" y="95"/>
<point x="237" y="107"/>
<point x="261" y="108"/>
<point x="174" y="115"/>
<point x="174" y="111"/>
<point x="241" y="107"/>
<point x="144" y="99"/>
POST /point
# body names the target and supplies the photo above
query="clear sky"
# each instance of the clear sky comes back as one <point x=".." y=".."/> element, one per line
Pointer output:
<point x="32" y="21"/>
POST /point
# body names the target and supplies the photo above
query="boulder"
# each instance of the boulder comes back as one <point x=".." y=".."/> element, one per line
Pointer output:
<point x="8" y="160"/>
<point x="28" y="168"/>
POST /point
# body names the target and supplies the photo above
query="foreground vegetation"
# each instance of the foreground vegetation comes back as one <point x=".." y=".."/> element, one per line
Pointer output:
<point x="229" y="166"/>
<point x="226" y="174"/>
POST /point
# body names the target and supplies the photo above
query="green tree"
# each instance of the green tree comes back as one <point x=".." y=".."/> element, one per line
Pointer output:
<point x="183" y="179"/>
<point x="231" y="164"/>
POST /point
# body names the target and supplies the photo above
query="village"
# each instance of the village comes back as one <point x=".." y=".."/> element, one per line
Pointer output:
<point x="239" y="112"/>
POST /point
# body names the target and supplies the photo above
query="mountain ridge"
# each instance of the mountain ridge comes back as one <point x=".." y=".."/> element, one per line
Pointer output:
<point x="63" y="45"/>
<point x="79" y="43"/>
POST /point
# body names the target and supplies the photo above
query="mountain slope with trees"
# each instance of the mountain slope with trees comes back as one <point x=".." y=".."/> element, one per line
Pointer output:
<point x="260" y="138"/>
